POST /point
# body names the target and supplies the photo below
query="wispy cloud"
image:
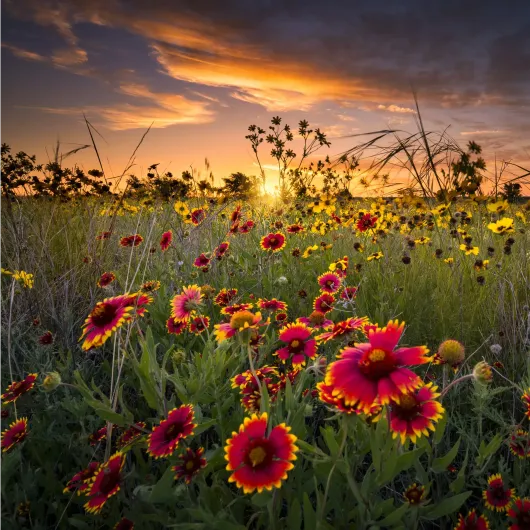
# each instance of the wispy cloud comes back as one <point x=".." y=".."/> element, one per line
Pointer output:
<point x="396" y="108"/>
<point x="161" y="110"/>
<point x="24" y="54"/>
<point x="481" y="132"/>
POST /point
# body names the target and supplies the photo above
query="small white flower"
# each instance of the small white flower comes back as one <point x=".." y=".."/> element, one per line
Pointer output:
<point x="281" y="279"/>
<point x="495" y="349"/>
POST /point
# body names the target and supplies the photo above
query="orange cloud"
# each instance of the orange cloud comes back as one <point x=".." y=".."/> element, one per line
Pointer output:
<point x="162" y="110"/>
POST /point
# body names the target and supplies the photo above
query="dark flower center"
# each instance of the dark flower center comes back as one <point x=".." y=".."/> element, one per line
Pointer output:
<point x="110" y="480"/>
<point x="103" y="314"/>
<point x="376" y="364"/>
<point x="174" y="430"/>
<point x="296" y="345"/>
<point x="259" y="453"/>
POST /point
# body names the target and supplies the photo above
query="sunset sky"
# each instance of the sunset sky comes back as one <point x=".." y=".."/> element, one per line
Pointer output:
<point x="204" y="70"/>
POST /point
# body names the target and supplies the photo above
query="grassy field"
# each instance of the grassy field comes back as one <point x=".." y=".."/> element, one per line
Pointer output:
<point x="371" y="454"/>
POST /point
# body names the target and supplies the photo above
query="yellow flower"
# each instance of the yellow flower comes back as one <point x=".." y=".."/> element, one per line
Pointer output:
<point x="481" y="264"/>
<point x="375" y="255"/>
<point x="423" y="240"/>
<point x="25" y="278"/>
<point x="498" y="206"/>
<point x="440" y="209"/>
<point x="502" y="226"/>
<point x="181" y="208"/>
<point x="309" y="250"/>
<point x="5" y="271"/>
<point x="469" y="249"/>
<point x="449" y="261"/>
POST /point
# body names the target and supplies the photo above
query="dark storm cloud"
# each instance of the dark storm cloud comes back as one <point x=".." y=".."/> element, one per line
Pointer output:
<point x="454" y="53"/>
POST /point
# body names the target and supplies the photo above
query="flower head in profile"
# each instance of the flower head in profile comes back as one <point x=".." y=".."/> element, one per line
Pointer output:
<point x="105" y="483"/>
<point x="343" y="329"/>
<point x="106" y="279"/>
<point x="520" y="443"/>
<point x="259" y="461"/>
<point x="309" y="250"/>
<point x="184" y="305"/>
<point x="273" y="242"/>
<point x="316" y="320"/>
<point x="165" y="240"/>
<point x="325" y="394"/>
<point x="150" y="286"/>
<point x="80" y="482"/>
<point x="234" y="308"/>
<point x="519" y="514"/>
<point x="272" y="305"/>
<point x="376" y="372"/>
<point x="329" y="282"/>
<point x="98" y="436"/>
<point x="526" y="402"/>
<point x="166" y="436"/>
<point x="131" y="434"/>
<point x="472" y="521"/>
<point x="131" y="241"/>
<point x="17" y="388"/>
<point x="299" y="346"/>
<point x="415" y="413"/>
<point x="374" y="256"/>
<point x="192" y="463"/>
<point x="497" y="497"/>
<point x="14" y="434"/>
<point x="124" y="524"/>
<point x="239" y="322"/>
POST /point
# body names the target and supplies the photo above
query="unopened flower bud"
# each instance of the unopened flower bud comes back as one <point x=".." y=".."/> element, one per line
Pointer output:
<point x="51" y="382"/>
<point x="482" y="373"/>
<point x="178" y="356"/>
<point x="452" y="352"/>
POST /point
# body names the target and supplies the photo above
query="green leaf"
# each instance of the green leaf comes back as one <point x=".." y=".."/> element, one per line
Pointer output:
<point x="440" y="464"/>
<point x="310" y="519"/>
<point x="110" y="415"/>
<point x="164" y="490"/>
<point x="440" y="429"/>
<point x="328" y="434"/>
<point x="447" y="506"/>
<point x="394" y="517"/>
<point x="261" y="499"/>
<point x="294" y="518"/>
<point x="458" y="484"/>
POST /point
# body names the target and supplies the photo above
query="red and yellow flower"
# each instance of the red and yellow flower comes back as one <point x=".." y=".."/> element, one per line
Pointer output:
<point x="14" y="434"/>
<point x="415" y="413"/>
<point x="365" y="222"/>
<point x="106" y="279"/>
<point x="105" y="483"/>
<point x="166" y="436"/>
<point x="201" y="261"/>
<point x="106" y="317"/>
<point x="375" y="372"/>
<point x="192" y="463"/>
<point x="221" y="250"/>
<point x="526" y="402"/>
<point x="224" y="297"/>
<point x="316" y="320"/>
<point x="131" y="241"/>
<point x="272" y="305"/>
<point x="17" y="388"/>
<point x="80" y="482"/>
<point x="131" y="434"/>
<point x="175" y="327"/>
<point x="329" y="282"/>
<point x="184" y="305"/>
<point x="258" y="461"/>
<point x="519" y="514"/>
<point x="414" y="494"/>
<point x="234" y="308"/>
<point x="325" y="394"/>
<point x="299" y="345"/>
<point x="165" y="240"/>
<point x="240" y="321"/>
<point x="199" y="324"/>
<point x="97" y="436"/>
<point x="250" y="384"/>
<point x="520" y="443"/>
<point x="472" y="521"/>
<point x="273" y="242"/>
<point x="497" y="497"/>
<point x="197" y="216"/>
<point x="324" y="303"/>
<point x="124" y="524"/>
<point x="348" y="293"/>
<point x="342" y="329"/>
